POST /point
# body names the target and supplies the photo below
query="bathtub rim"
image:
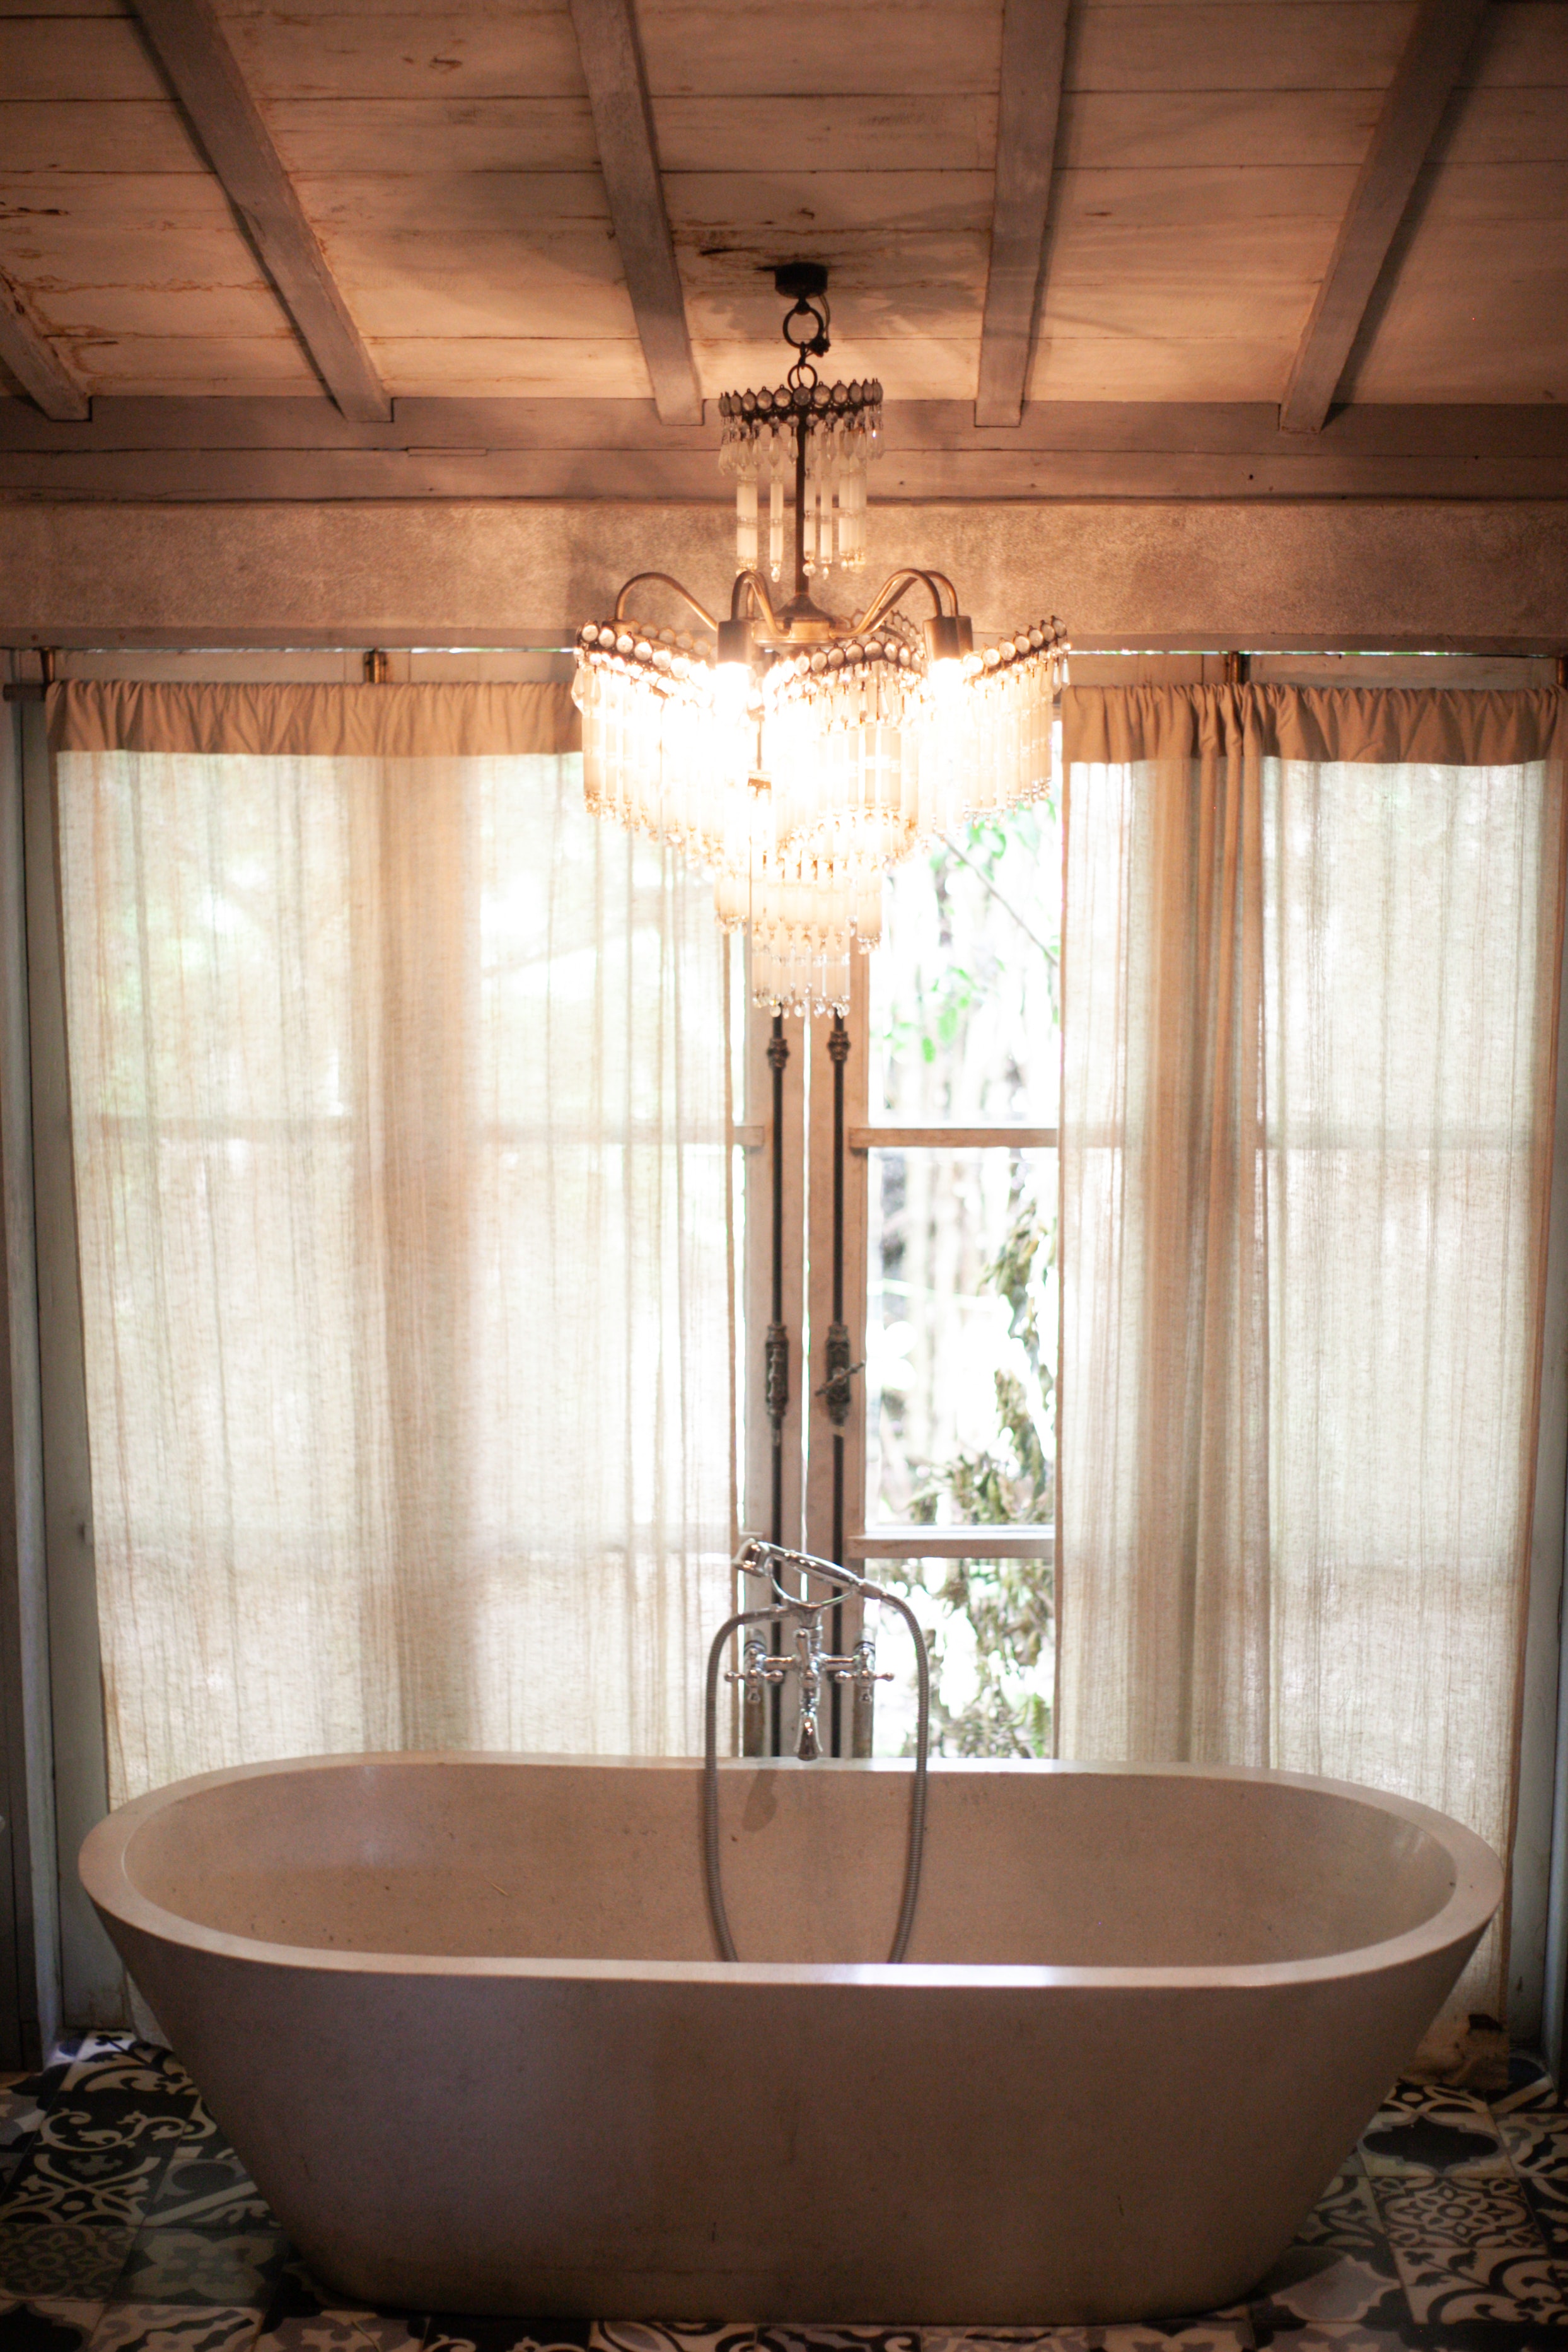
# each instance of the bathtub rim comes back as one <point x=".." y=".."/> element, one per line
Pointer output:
<point x="1473" y="1900"/>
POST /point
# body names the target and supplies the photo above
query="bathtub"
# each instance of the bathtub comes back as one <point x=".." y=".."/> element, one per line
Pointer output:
<point x="460" y="2016"/>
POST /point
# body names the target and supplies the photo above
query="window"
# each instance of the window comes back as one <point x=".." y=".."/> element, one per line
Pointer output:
<point x="949" y="1098"/>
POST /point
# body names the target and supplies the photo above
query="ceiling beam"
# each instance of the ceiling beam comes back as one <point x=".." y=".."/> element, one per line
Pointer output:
<point x="177" y="451"/>
<point x="1034" y="48"/>
<point x="194" y="50"/>
<point x="628" y="157"/>
<point x="1424" y="80"/>
<point x="32" y="362"/>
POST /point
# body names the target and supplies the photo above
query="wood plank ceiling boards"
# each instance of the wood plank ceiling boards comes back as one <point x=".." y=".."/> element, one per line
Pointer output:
<point x="624" y="125"/>
<point x="194" y="51"/>
<point x="1034" y="48"/>
<point x="32" y="362"/>
<point x="545" y="230"/>
<point x="1435" y="54"/>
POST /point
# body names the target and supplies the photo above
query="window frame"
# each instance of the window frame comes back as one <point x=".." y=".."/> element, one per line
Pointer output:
<point x="808" y="1431"/>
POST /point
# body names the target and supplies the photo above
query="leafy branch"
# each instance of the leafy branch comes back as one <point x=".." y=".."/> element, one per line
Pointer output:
<point x="1009" y="1604"/>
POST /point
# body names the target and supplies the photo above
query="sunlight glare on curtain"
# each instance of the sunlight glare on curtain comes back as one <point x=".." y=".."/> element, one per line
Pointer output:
<point x="1310" y="983"/>
<point x="399" y="1117"/>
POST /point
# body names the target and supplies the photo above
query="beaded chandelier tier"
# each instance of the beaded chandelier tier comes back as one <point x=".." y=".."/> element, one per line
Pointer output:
<point x="792" y="754"/>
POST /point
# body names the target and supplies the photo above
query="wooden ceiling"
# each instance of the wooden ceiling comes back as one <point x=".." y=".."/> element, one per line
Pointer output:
<point x="1092" y="248"/>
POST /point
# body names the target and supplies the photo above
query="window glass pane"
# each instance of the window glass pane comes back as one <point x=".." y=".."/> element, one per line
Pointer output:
<point x="992" y="1629"/>
<point x="960" y="1335"/>
<point x="964" y="1005"/>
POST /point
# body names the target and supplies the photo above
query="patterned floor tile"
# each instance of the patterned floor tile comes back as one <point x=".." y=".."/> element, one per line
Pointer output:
<point x="1344" y="2336"/>
<point x="1345" y="2217"/>
<point x="1220" y="2332"/>
<point x="1146" y="2336"/>
<point x="1057" y="2339"/>
<point x="1317" y="2286"/>
<point x="22" y="2105"/>
<point x="1002" y="2339"/>
<point x="302" y="2315"/>
<point x="383" y="2331"/>
<point x="342" y="2331"/>
<point x="46" y="2325"/>
<point x="863" y="2339"/>
<point x="123" y="2099"/>
<point x="110" y="2183"/>
<point x="1469" y="2250"/>
<point x="207" y="2187"/>
<point x="231" y="2267"/>
<point x="1340" y="2268"/>
<point x="1443" y="2101"/>
<point x="80" y="2261"/>
<point x="85" y="2049"/>
<point x="1529" y="2085"/>
<point x="1537" y="2142"/>
<point x="676" y="2336"/>
<point x="172" y="2327"/>
<point x="452" y="2332"/>
<point x="1052" y="2339"/>
<point x="1429" y="2130"/>
<point x="708" y="2336"/>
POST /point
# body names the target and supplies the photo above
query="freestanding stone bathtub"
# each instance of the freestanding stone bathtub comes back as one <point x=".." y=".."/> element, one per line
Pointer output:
<point x="460" y="2016"/>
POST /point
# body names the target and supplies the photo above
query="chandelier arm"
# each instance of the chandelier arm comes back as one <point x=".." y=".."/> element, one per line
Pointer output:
<point x="895" y="586"/>
<point x="760" y="599"/>
<point x="665" y="579"/>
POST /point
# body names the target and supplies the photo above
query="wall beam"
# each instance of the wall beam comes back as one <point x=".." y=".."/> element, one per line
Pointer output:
<point x="32" y="362"/>
<point x="204" y="75"/>
<point x="1433" y="58"/>
<point x="628" y="157"/>
<point x="1034" y="49"/>
<point x="1470" y="574"/>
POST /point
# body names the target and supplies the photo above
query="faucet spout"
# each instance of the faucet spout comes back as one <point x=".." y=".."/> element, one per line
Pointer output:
<point x="811" y="1663"/>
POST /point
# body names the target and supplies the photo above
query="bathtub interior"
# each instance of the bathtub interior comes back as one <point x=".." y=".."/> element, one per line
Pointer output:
<point x="467" y="1858"/>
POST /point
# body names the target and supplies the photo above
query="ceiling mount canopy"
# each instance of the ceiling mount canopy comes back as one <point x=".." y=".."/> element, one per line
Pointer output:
<point x="794" y="753"/>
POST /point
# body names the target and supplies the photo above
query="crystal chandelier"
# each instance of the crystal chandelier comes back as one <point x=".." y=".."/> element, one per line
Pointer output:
<point x="792" y="754"/>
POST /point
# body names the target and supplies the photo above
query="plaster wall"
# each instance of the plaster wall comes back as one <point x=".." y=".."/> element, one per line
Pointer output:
<point x="1353" y="574"/>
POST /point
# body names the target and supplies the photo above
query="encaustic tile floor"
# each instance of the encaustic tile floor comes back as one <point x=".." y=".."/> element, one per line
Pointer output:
<point x="127" y="2224"/>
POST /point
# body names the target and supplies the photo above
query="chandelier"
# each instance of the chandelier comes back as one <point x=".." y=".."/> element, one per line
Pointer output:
<point x="792" y="754"/>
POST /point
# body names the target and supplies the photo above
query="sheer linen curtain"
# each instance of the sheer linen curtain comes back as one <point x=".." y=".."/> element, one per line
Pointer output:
<point x="399" y="1106"/>
<point x="1311" y="961"/>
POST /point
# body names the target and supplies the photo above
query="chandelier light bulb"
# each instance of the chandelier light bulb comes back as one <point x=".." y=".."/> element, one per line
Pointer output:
<point x="732" y="688"/>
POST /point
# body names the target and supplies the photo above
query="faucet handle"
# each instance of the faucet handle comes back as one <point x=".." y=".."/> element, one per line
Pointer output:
<point x="757" y="1670"/>
<point x="859" y="1667"/>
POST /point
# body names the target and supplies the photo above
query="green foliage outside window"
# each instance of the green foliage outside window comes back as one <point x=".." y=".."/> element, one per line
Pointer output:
<point x="1006" y="1606"/>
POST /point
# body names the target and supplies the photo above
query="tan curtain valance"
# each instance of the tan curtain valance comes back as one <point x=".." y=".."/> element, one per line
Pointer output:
<point x="366" y="723"/>
<point x="1388" y="725"/>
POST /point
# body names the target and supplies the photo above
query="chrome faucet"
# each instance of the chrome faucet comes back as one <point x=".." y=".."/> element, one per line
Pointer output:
<point x="761" y="1670"/>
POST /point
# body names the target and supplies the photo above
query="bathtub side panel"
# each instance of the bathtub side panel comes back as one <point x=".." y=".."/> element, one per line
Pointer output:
<point x="830" y="2152"/>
